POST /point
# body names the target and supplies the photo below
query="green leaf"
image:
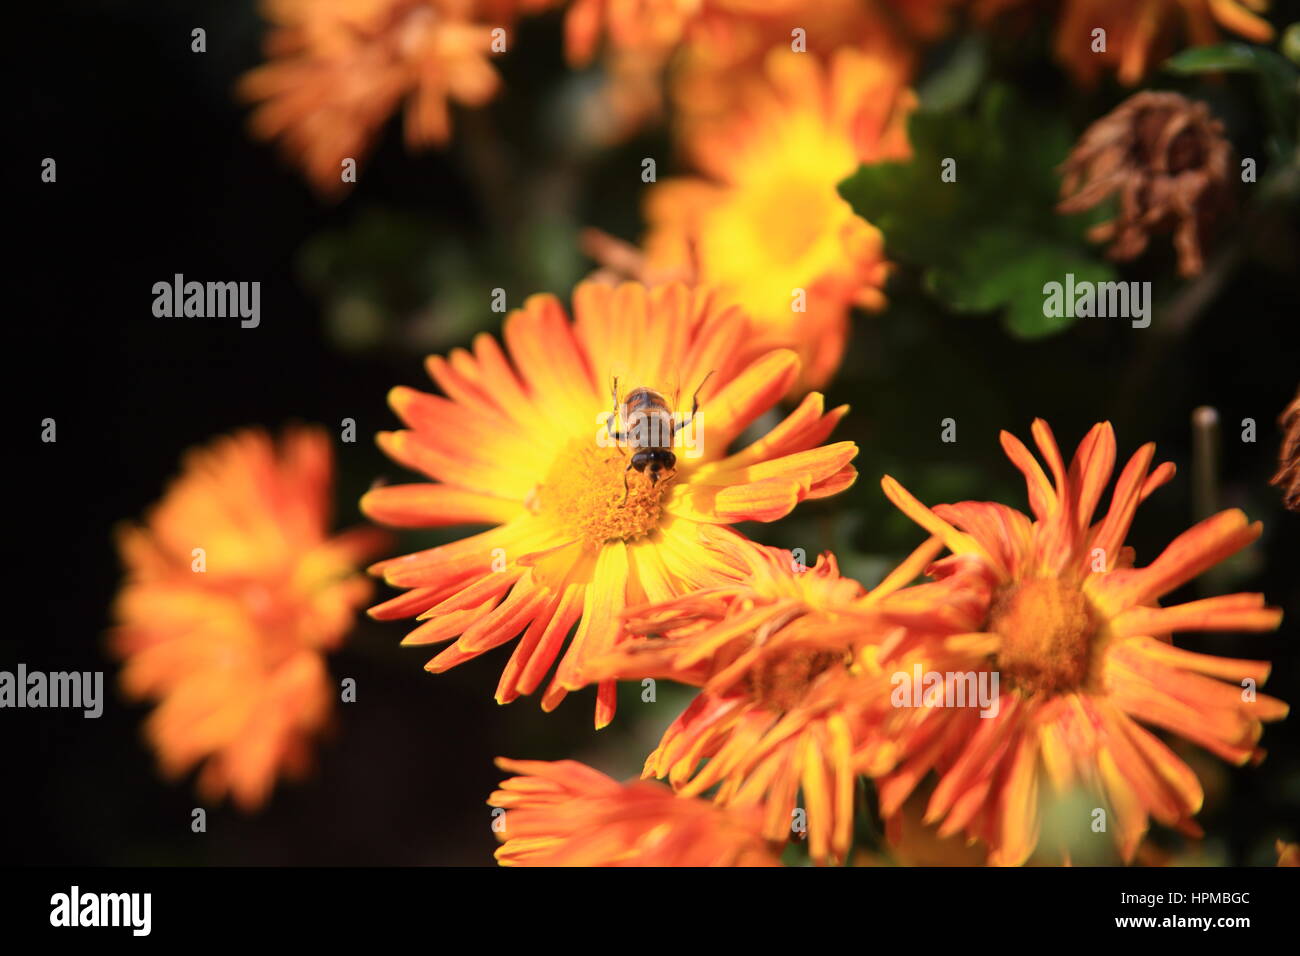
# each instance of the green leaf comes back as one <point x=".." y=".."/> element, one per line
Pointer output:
<point x="1026" y="317"/>
<point x="990" y="240"/>
<point x="955" y="82"/>
<point x="1225" y="58"/>
<point x="1279" y="81"/>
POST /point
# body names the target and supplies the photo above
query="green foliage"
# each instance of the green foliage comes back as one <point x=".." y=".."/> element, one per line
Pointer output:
<point x="1279" y="84"/>
<point x="390" y="278"/>
<point x="1229" y="58"/>
<point x="955" y="83"/>
<point x="988" y="241"/>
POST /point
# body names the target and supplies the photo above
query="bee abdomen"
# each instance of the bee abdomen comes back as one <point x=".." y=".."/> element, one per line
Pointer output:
<point x="644" y="400"/>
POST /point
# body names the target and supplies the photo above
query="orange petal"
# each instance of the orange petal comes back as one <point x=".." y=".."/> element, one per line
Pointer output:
<point x="1231" y="612"/>
<point x="429" y="505"/>
<point x="747" y="396"/>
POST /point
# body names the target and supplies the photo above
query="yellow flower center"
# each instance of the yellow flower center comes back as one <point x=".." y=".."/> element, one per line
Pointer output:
<point x="777" y="231"/>
<point x="1047" y="630"/>
<point x="780" y="682"/>
<point x="584" y="494"/>
<point x="789" y="216"/>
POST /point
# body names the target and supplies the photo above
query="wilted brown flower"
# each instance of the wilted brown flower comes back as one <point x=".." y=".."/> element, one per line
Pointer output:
<point x="1167" y="159"/>
<point x="1288" y="459"/>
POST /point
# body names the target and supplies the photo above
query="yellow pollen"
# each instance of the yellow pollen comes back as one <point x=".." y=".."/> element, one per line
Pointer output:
<point x="1047" y="630"/>
<point x="583" y="493"/>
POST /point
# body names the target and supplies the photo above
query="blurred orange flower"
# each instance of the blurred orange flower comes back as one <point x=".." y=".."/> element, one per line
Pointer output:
<point x="234" y="593"/>
<point x="1084" y="654"/>
<point x="1140" y="32"/>
<point x="567" y="814"/>
<point x="782" y="658"/>
<point x="576" y="535"/>
<point x="338" y="69"/>
<point x="650" y="26"/>
<point x="707" y="52"/>
<point x="766" y="224"/>
<point x="637" y="38"/>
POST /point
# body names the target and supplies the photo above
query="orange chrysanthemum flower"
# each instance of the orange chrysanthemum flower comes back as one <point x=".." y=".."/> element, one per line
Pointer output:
<point x="567" y="814"/>
<point x="637" y="39"/>
<point x="650" y="27"/>
<point x="1139" y="32"/>
<point x="782" y="658"/>
<point x="1084" y="654"/>
<point x="338" y="69"/>
<point x="766" y="223"/>
<point x="576" y="534"/>
<point x="234" y="593"/>
<point x="709" y="51"/>
<point x="659" y="26"/>
<point x="508" y="11"/>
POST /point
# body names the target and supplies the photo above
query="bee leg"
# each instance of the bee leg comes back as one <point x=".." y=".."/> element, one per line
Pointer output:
<point x="619" y="437"/>
<point x="695" y="404"/>
<point x="625" y="489"/>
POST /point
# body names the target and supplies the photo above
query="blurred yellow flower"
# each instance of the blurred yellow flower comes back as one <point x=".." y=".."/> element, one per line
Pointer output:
<point x="765" y="222"/>
<point x="234" y="593"/>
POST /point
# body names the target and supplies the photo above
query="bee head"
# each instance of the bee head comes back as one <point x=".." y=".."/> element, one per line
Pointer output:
<point x="654" y="462"/>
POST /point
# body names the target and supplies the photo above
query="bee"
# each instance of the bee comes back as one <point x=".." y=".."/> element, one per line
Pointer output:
<point x="650" y="430"/>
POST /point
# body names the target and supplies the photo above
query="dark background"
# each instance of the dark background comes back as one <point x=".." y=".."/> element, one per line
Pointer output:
<point x="156" y="175"/>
